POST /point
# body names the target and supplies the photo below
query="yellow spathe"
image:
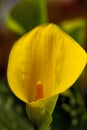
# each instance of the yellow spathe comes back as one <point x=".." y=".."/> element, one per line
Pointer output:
<point x="43" y="63"/>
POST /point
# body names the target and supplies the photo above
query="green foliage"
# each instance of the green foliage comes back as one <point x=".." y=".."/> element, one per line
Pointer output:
<point x="12" y="111"/>
<point x="70" y="112"/>
<point x="76" y="29"/>
<point x="26" y="14"/>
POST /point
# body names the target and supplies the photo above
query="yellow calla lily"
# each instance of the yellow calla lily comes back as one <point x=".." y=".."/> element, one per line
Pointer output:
<point x="42" y="64"/>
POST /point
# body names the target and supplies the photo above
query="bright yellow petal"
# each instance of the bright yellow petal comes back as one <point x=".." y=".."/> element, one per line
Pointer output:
<point x="32" y="60"/>
<point x="48" y="55"/>
<point x="70" y="64"/>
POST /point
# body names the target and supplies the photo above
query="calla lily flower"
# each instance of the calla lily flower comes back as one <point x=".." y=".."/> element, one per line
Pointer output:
<point x="42" y="64"/>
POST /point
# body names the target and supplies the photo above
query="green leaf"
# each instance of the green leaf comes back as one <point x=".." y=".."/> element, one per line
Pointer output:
<point x="26" y="14"/>
<point x="70" y="112"/>
<point x="76" y="29"/>
<point x="12" y="111"/>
